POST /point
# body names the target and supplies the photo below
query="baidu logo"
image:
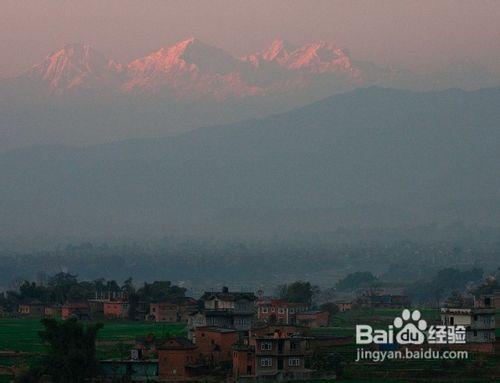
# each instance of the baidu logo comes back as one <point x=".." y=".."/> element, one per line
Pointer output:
<point x="411" y="328"/>
<point x="406" y="329"/>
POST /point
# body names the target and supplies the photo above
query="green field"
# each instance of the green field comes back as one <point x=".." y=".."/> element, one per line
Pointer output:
<point x="344" y="324"/>
<point x="22" y="334"/>
<point x="114" y="339"/>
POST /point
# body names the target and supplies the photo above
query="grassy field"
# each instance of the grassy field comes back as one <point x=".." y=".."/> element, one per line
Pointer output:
<point x="22" y="334"/>
<point x="114" y="339"/>
<point x="344" y="324"/>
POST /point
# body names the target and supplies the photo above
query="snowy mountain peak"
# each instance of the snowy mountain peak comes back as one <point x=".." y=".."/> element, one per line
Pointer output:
<point x="75" y="66"/>
<point x="278" y="50"/>
<point x="187" y="55"/>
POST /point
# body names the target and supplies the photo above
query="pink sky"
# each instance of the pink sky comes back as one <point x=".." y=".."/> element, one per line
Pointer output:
<point x="418" y="35"/>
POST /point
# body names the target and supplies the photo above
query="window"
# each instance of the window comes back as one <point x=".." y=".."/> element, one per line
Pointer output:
<point x="294" y="345"/>
<point x="272" y="309"/>
<point x="294" y="361"/>
<point x="266" y="362"/>
<point x="281" y="310"/>
<point x="292" y="311"/>
<point x="264" y="310"/>
<point x="266" y="346"/>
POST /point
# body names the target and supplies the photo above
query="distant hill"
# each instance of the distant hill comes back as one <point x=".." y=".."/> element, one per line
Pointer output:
<point x="373" y="157"/>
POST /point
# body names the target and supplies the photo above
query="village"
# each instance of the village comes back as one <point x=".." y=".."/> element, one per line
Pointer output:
<point x="245" y="336"/>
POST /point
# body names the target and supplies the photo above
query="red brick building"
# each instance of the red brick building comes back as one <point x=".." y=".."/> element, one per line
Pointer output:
<point x="243" y="362"/>
<point x="75" y="310"/>
<point x="116" y="309"/>
<point x="275" y="353"/>
<point x="179" y="359"/>
<point x="344" y="306"/>
<point x="164" y="312"/>
<point x="32" y="309"/>
<point x="53" y="311"/>
<point x="228" y="309"/>
<point x="215" y="344"/>
<point x="313" y="319"/>
<point x="178" y="310"/>
<point x="279" y="311"/>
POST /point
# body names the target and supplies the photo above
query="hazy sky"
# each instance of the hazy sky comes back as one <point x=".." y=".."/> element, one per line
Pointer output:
<point x="418" y="35"/>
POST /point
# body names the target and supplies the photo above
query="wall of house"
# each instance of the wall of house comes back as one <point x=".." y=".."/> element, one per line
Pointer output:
<point x="207" y="340"/>
<point x="115" y="310"/>
<point x="172" y="363"/>
<point x="164" y="312"/>
<point x="243" y="363"/>
<point x="313" y="320"/>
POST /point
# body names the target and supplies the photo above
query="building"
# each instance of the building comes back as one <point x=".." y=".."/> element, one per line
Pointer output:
<point x="243" y="363"/>
<point x="344" y="306"/>
<point x="54" y="311"/>
<point x="186" y="307"/>
<point x="146" y="347"/>
<point x="482" y="328"/>
<point x="164" y="312"/>
<point x="116" y="309"/>
<point x="478" y="322"/>
<point x="195" y="320"/>
<point x="79" y="311"/>
<point x="96" y="308"/>
<point x="229" y="309"/>
<point x="177" y="310"/>
<point x="279" y="311"/>
<point x="32" y="309"/>
<point x="276" y="353"/>
<point x="456" y="317"/>
<point x="488" y="301"/>
<point x="179" y="359"/>
<point x="313" y="319"/>
<point x="215" y="344"/>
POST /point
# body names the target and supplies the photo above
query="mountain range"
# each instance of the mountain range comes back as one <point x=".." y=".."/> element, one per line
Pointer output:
<point x="372" y="157"/>
<point x="192" y="69"/>
<point x="77" y="95"/>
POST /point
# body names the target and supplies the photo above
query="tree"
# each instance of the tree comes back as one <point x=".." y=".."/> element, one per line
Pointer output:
<point x="160" y="291"/>
<point x="359" y="279"/>
<point x="328" y="362"/>
<point x="330" y="307"/>
<point x="299" y="291"/>
<point x="60" y="285"/>
<point x="72" y="351"/>
<point x="456" y="299"/>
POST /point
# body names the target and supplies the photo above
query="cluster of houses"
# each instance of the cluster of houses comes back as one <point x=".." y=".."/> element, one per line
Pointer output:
<point x="231" y="333"/>
<point x="242" y="337"/>
<point x="112" y="306"/>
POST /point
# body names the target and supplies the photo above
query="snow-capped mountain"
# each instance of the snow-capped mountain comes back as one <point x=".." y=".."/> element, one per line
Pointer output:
<point x="317" y="57"/>
<point x="76" y="67"/>
<point x="192" y="69"/>
<point x="79" y="96"/>
<point x="189" y="69"/>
